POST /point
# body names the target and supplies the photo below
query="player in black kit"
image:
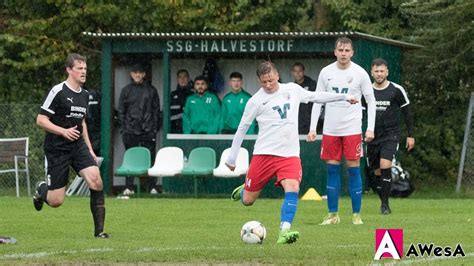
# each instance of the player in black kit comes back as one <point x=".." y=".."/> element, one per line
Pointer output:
<point x="62" y="115"/>
<point x="391" y="100"/>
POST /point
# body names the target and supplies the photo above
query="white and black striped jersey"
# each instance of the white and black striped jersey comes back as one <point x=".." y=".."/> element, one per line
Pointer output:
<point x="65" y="108"/>
<point x="391" y="101"/>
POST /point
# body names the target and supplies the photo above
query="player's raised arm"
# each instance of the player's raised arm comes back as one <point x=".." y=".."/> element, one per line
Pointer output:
<point x="250" y="112"/>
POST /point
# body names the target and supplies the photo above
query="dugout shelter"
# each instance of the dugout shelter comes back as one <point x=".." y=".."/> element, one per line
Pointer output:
<point x="165" y="53"/>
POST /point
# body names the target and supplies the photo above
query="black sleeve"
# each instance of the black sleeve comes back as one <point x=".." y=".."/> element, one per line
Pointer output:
<point x="408" y="114"/>
<point x="156" y="109"/>
<point x="122" y="107"/>
<point x="313" y="85"/>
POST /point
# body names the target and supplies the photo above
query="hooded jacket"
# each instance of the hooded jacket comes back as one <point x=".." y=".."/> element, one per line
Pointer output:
<point x="139" y="109"/>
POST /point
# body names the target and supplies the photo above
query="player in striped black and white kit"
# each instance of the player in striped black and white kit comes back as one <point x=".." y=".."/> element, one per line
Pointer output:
<point x="62" y="115"/>
<point x="342" y="130"/>
<point x="391" y="100"/>
<point x="276" y="153"/>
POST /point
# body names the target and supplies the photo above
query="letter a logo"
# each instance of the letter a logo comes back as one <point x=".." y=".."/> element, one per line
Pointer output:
<point x="388" y="243"/>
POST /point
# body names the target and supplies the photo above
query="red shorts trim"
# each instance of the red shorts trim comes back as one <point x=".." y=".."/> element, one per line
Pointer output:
<point x="264" y="167"/>
<point x="332" y="147"/>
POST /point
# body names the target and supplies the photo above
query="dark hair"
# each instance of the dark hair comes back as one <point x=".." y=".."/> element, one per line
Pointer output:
<point x="71" y="58"/>
<point x="200" y="78"/>
<point x="343" y="40"/>
<point x="235" y="75"/>
<point x="265" y="68"/>
<point x="182" y="71"/>
<point x="297" y="64"/>
<point x="138" y="67"/>
<point x="379" y="62"/>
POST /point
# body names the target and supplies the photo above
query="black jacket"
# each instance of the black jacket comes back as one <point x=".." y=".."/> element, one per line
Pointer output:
<point x="139" y="109"/>
<point x="304" y="114"/>
<point x="93" y="119"/>
<point x="178" y="99"/>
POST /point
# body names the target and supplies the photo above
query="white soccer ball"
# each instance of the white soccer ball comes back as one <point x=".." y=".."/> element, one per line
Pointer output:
<point x="253" y="232"/>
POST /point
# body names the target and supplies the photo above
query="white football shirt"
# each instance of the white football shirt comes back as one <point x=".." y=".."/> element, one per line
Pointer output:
<point x="277" y="118"/>
<point x="343" y="118"/>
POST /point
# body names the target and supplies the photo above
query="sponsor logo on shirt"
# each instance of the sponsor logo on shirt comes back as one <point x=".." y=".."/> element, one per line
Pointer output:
<point x="382" y="105"/>
<point x="77" y="112"/>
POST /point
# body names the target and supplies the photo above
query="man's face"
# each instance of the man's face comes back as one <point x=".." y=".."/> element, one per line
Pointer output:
<point x="200" y="86"/>
<point x="235" y="84"/>
<point x="78" y="71"/>
<point x="269" y="82"/>
<point x="379" y="73"/>
<point x="343" y="53"/>
<point x="137" y="76"/>
<point x="298" y="74"/>
<point x="183" y="79"/>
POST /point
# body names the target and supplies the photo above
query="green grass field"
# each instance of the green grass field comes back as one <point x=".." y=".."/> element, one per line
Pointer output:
<point x="197" y="231"/>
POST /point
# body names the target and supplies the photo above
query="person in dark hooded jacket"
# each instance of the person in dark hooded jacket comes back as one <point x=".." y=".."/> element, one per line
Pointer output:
<point x="139" y="117"/>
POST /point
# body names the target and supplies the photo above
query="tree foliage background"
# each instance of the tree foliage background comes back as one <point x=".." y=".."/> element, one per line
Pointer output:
<point x="36" y="36"/>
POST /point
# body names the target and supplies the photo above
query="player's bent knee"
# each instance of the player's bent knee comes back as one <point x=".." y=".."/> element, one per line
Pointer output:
<point x="54" y="203"/>
<point x="96" y="184"/>
<point x="248" y="202"/>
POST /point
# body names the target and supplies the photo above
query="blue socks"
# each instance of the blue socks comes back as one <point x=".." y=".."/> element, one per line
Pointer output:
<point x="355" y="188"/>
<point x="333" y="186"/>
<point x="288" y="209"/>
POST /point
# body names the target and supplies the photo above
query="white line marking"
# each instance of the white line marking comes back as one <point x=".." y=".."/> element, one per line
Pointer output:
<point x="103" y="250"/>
<point x="407" y="261"/>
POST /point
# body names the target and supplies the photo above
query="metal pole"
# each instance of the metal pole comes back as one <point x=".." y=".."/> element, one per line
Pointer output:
<point x="467" y="131"/>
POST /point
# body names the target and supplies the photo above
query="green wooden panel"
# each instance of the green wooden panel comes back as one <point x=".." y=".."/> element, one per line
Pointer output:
<point x="106" y="115"/>
<point x="367" y="50"/>
<point x="166" y="93"/>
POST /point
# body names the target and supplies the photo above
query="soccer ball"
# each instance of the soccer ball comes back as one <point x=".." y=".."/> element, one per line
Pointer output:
<point x="253" y="232"/>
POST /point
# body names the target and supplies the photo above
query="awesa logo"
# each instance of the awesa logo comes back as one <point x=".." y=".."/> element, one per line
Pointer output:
<point x="389" y="244"/>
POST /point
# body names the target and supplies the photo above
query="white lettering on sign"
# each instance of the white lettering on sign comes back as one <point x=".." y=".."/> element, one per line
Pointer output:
<point x="224" y="46"/>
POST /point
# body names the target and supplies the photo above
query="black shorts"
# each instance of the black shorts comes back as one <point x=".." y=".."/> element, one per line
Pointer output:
<point x="59" y="162"/>
<point x="381" y="149"/>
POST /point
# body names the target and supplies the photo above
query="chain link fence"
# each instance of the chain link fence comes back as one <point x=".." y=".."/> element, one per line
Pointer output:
<point x="16" y="121"/>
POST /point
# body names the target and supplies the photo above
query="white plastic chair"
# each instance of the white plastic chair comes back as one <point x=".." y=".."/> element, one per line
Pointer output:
<point x="241" y="164"/>
<point x="12" y="152"/>
<point x="168" y="162"/>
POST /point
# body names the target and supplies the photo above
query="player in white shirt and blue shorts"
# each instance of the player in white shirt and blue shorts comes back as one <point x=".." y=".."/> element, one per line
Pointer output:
<point x="275" y="106"/>
<point x="342" y="130"/>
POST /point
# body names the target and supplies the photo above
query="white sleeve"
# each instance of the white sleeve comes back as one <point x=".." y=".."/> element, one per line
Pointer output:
<point x="323" y="96"/>
<point x="316" y="111"/>
<point x="368" y="93"/>
<point x="250" y="112"/>
<point x="319" y="97"/>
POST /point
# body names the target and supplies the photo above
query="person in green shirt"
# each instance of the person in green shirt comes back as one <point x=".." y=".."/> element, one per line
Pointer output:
<point x="201" y="110"/>
<point x="233" y="105"/>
